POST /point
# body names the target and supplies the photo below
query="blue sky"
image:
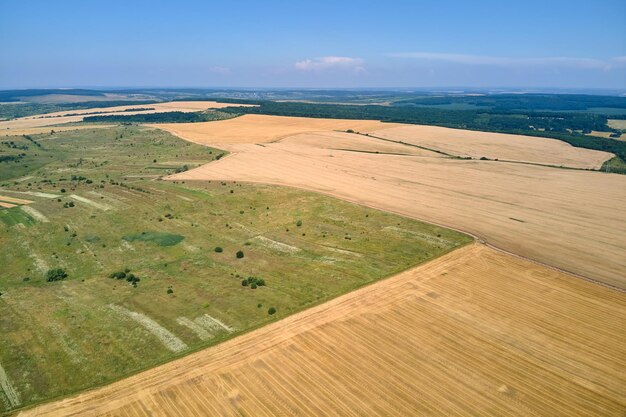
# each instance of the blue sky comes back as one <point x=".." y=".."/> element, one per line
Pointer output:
<point x="327" y="44"/>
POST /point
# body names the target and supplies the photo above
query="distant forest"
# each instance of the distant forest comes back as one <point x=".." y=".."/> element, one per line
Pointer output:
<point x="165" y="117"/>
<point x="524" y="102"/>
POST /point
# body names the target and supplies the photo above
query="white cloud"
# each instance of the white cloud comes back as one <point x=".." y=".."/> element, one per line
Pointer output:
<point x="331" y="62"/>
<point x="552" y="62"/>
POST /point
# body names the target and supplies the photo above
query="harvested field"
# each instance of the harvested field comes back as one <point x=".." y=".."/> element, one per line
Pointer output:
<point x="252" y="129"/>
<point x="617" y="124"/>
<point x="24" y="124"/>
<point x="262" y="129"/>
<point x="14" y="200"/>
<point x="473" y="330"/>
<point x="467" y="143"/>
<point x="606" y="135"/>
<point x="570" y="219"/>
<point x="357" y="143"/>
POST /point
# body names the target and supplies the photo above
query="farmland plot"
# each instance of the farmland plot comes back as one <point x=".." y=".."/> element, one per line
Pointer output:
<point x="475" y="331"/>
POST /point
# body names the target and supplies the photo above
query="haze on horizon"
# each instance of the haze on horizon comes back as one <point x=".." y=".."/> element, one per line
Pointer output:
<point x="559" y="44"/>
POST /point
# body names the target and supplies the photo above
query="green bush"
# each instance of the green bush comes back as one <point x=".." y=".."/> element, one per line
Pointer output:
<point x="57" y="274"/>
<point x="253" y="282"/>
<point x="239" y="254"/>
<point x="125" y="274"/>
<point x="118" y="275"/>
<point x="271" y="311"/>
<point x="218" y="249"/>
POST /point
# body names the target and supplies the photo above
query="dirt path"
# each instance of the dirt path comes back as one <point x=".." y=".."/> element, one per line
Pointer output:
<point x="473" y="330"/>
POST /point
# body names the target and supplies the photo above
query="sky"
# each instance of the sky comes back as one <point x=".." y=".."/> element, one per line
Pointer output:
<point x="313" y="44"/>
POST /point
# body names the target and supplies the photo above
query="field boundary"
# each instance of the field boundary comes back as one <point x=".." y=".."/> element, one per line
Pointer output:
<point x="456" y="229"/>
<point x="235" y="333"/>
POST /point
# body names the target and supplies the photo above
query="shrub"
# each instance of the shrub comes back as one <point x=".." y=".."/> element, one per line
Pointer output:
<point x="118" y="275"/>
<point x="132" y="278"/>
<point x="125" y="274"/>
<point x="239" y="254"/>
<point x="170" y="290"/>
<point x="218" y="249"/>
<point x="299" y="223"/>
<point x="57" y="274"/>
<point x="253" y="282"/>
<point x="271" y="311"/>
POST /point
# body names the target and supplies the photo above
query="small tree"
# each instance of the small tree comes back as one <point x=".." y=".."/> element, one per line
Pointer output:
<point x="218" y="249"/>
<point x="271" y="311"/>
<point x="57" y="274"/>
<point x="239" y="254"/>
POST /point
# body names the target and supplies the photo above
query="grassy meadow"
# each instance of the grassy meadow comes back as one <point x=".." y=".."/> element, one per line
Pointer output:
<point x="153" y="269"/>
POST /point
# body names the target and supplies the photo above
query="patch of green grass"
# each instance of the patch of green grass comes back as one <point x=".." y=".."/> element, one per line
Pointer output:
<point x="15" y="215"/>
<point x="616" y="165"/>
<point x="159" y="238"/>
<point x="61" y="337"/>
<point x="91" y="238"/>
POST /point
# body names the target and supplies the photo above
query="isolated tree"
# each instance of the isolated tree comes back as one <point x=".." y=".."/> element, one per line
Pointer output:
<point x="57" y="274"/>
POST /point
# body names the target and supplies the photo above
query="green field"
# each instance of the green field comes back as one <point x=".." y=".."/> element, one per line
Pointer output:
<point x="114" y="216"/>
